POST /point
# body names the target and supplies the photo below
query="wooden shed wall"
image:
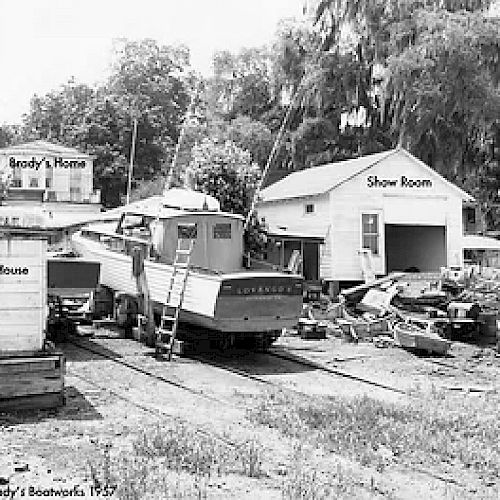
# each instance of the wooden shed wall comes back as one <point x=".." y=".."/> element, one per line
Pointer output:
<point x="23" y="294"/>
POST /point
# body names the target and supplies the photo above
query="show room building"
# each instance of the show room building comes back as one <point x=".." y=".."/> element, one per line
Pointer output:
<point x="392" y="204"/>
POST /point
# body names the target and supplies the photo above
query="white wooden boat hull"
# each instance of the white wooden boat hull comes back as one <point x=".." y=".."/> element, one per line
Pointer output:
<point x="412" y="338"/>
<point x="232" y="302"/>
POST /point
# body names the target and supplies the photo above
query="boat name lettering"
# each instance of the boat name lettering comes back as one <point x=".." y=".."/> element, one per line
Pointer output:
<point x="262" y="290"/>
<point x="13" y="270"/>
<point x="406" y="182"/>
<point x="36" y="163"/>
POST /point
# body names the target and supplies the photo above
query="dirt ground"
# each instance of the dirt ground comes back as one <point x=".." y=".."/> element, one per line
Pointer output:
<point x="109" y="404"/>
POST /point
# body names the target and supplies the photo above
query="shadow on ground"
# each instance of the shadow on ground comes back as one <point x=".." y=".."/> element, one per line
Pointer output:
<point x="77" y="407"/>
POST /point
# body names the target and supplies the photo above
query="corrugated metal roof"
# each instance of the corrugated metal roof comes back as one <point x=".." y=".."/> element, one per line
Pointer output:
<point x="37" y="147"/>
<point x="317" y="180"/>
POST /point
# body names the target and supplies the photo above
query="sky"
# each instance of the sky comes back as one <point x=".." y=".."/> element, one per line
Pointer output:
<point x="43" y="43"/>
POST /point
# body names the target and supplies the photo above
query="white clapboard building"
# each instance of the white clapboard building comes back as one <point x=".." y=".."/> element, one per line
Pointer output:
<point x="390" y="203"/>
<point x="40" y="171"/>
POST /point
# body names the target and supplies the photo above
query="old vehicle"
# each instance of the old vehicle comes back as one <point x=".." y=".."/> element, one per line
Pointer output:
<point x="463" y="319"/>
<point x="224" y="300"/>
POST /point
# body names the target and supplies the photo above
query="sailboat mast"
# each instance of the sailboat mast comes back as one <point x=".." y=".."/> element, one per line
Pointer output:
<point x="180" y="140"/>
<point x="274" y="151"/>
<point x="132" y="155"/>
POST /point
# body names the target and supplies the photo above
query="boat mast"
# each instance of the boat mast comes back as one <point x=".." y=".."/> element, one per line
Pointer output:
<point x="180" y="140"/>
<point x="132" y="155"/>
<point x="274" y="149"/>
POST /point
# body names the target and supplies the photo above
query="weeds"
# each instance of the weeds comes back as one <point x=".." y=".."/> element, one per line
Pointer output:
<point x="171" y="462"/>
<point x="306" y="482"/>
<point x="251" y="458"/>
<point x="378" y="434"/>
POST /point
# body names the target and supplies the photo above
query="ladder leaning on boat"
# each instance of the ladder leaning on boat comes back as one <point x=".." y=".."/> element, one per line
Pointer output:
<point x="167" y="331"/>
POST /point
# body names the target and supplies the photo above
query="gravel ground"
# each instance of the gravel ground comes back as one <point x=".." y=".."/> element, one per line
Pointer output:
<point x="109" y="404"/>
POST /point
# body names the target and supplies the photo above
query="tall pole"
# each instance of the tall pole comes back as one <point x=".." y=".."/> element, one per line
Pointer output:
<point x="274" y="150"/>
<point x="180" y="140"/>
<point x="132" y="155"/>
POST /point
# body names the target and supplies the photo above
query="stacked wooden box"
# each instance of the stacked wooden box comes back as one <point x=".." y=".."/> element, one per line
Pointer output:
<point x="32" y="381"/>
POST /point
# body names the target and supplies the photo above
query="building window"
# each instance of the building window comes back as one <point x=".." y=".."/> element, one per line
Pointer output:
<point x="48" y="182"/>
<point x="187" y="231"/>
<point x="222" y="232"/>
<point x="370" y="232"/>
<point x="33" y="182"/>
<point x="471" y="215"/>
<point x="16" y="178"/>
<point x="310" y="208"/>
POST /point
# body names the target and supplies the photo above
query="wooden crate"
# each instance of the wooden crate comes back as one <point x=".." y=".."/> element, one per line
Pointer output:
<point x="31" y="380"/>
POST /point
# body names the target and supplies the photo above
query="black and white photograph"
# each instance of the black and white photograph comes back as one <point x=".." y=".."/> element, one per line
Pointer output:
<point x="250" y="250"/>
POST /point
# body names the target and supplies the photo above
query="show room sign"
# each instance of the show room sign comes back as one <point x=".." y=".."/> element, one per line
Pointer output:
<point x="373" y="181"/>
<point x="37" y="163"/>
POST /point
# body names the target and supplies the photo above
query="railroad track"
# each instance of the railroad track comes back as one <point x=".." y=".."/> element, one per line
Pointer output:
<point x="333" y="371"/>
<point x="299" y="361"/>
<point x="147" y="373"/>
<point x="145" y="407"/>
<point x="201" y="430"/>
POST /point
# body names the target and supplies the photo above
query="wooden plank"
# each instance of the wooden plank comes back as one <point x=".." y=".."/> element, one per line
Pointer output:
<point x="30" y="353"/>
<point x="24" y="357"/>
<point x="32" y="402"/>
<point x="29" y="386"/>
<point x="32" y="368"/>
<point x="8" y="370"/>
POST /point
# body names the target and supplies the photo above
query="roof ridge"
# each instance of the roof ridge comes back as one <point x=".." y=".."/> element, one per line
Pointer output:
<point x="366" y="161"/>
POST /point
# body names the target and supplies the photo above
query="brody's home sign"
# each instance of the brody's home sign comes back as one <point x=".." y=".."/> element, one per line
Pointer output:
<point x="36" y="164"/>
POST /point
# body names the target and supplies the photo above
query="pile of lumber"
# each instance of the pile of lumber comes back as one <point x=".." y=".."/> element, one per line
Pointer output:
<point x="31" y="380"/>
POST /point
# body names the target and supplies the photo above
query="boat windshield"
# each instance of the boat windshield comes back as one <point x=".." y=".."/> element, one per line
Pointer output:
<point x="137" y="226"/>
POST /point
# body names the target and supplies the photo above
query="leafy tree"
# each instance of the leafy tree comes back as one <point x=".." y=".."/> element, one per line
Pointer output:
<point x="242" y="84"/>
<point x="225" y="171"/>
<point x="149" y="83"/>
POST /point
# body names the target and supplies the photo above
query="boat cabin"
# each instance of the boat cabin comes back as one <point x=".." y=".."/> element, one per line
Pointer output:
<point x="158" y="224"/>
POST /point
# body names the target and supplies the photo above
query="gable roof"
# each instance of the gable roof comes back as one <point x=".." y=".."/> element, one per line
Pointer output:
<point x="43" y="147"/>
<point x="322" y="179"/>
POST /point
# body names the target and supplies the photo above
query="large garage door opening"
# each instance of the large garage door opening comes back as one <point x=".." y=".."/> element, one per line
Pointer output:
<point x="415" y="248"/>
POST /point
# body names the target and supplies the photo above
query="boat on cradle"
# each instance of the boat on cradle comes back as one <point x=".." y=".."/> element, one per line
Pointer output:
<point x="220" y="296"/>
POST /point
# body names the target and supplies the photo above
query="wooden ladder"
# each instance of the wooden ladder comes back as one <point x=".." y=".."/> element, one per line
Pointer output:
<point x="167" y="331"/>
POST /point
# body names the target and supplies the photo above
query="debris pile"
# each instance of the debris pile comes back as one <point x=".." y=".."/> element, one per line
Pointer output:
<point x="421" y="311"/>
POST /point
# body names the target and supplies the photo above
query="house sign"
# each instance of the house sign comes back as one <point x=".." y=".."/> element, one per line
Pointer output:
<point x="373" y="181"/>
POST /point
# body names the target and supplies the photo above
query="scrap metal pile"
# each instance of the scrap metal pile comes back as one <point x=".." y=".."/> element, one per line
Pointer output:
<point x="421" y="311"/>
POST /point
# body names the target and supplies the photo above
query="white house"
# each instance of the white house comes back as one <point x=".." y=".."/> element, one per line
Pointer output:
<point x="50" y="173"/>
<point x="391" y="203"/>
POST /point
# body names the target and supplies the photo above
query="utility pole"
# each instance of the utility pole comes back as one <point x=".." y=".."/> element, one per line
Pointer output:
<point x="132" y="155"/>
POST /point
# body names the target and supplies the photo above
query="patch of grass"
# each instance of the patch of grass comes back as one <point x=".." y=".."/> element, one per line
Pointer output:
<point x="251" y="458"/>
<point x="172" y="462"/>
<point x="182" y="449"/>
<point x="377" y="434"/>
<point x="304" y="481"/>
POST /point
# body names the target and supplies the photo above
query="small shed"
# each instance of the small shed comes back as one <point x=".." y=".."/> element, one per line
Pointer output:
<point x="23" y="291"/>
<point x="481" y="250"/>
<point x="31" y="373"/>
